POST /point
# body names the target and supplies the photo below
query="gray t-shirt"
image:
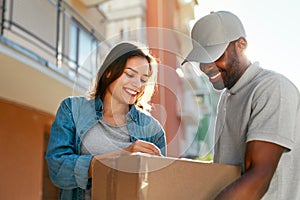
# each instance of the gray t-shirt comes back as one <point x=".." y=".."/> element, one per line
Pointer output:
<point x="265" y="106"/>
<point x="104" y="138"/>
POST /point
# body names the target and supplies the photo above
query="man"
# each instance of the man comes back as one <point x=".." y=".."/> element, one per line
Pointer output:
<point x="258" y="117"/>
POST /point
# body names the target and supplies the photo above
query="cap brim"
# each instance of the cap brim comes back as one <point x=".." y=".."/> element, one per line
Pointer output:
<point x="206" y="54"/>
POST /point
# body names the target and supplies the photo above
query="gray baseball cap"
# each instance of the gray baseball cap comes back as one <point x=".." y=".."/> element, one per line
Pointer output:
<point x="212" y="34"/>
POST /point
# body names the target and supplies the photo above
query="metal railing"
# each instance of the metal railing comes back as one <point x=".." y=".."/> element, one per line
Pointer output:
<point x="53" y="32"/>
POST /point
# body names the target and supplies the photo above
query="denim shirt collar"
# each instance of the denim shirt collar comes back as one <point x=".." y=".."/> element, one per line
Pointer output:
<point x="98" y="107"/>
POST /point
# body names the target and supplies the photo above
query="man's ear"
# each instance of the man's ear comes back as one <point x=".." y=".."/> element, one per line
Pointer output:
<point x="107" y="75"/>
<point x="242" y="43"/>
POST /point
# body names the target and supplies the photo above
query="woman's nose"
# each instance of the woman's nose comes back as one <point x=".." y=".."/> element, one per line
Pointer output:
<point x="137" y="82"/>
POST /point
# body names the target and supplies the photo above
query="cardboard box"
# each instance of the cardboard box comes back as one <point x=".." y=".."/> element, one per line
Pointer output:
<point x="144" y="177"/>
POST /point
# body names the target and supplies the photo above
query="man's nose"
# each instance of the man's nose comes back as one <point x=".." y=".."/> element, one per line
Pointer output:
<point x="206" y="66"/>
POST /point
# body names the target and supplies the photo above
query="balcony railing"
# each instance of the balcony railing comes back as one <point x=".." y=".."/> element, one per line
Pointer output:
<point x="54" y="34"/>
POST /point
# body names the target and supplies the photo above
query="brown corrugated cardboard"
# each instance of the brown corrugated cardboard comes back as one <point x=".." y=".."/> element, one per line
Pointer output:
<point x="145" y="177"/>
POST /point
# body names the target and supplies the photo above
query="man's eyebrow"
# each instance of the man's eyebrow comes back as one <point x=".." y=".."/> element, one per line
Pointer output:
<point x="136" y="71"/>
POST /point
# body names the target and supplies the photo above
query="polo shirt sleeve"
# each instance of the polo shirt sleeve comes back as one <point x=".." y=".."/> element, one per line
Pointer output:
<point x="274" y="112"/>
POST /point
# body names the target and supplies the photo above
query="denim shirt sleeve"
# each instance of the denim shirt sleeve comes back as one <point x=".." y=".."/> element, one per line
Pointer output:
<point x="160" y="140"/>
<point x="145" y="127"/>
<point x="67" y="168"/>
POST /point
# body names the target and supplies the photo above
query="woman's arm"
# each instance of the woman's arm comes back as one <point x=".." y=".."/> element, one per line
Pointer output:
<point x="67" y="169"/>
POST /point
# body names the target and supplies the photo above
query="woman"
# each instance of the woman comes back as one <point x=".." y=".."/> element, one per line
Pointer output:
<point x="112" y="119"/>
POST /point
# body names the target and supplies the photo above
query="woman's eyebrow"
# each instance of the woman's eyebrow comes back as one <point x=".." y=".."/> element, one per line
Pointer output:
<point x="136" y="71"/>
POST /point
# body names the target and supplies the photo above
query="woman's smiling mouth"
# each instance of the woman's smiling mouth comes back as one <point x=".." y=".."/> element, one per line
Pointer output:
<point x="130" y="91"/>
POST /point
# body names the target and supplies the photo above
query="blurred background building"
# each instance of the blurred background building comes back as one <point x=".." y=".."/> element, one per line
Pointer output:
<point x="50" y="49"/>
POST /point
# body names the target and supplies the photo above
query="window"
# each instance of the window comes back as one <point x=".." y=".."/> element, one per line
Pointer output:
<point x="82" y="51"/>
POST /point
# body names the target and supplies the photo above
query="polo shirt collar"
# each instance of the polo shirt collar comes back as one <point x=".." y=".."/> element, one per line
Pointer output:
<point x="248" y="75"/>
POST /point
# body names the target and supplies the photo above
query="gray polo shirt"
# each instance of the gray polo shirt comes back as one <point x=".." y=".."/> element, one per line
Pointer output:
<point x="262" y="105"/>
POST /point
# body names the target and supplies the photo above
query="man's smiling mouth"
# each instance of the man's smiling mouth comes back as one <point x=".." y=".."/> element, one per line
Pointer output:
<point x="215" y="77"/>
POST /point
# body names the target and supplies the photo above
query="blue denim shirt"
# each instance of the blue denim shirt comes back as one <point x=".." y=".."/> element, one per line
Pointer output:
<point x="68" y="169"/>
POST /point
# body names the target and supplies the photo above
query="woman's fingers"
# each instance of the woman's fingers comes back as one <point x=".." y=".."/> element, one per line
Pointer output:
<point x="144" y="147"/>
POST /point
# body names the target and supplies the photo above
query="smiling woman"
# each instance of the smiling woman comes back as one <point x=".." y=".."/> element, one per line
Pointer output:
<point x="131" y="84"/>
<point x="111" y="119"/>
<point x="130" y="60"/>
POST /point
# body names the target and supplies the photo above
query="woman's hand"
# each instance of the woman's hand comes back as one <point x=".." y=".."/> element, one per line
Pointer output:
<point x="144" y="147"/>
<point x="137" y="146"/>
